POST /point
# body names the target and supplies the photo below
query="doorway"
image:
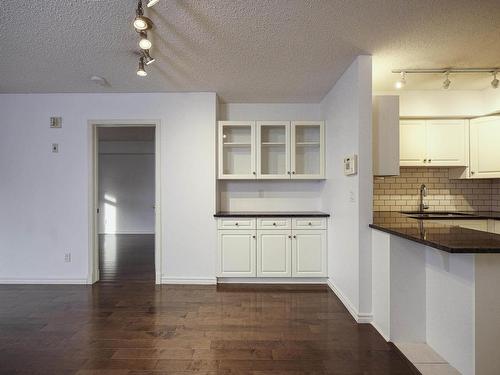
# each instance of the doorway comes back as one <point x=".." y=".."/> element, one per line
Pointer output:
<point x="125" y="202"/>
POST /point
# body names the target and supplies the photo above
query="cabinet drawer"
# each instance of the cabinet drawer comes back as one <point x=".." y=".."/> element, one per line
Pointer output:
<point x="309" y="223"/>
<point x="274" y="223"/>
<point x="237" y="223"/>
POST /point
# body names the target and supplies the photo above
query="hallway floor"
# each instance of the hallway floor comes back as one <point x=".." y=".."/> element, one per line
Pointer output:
<point x="126" y="325"/>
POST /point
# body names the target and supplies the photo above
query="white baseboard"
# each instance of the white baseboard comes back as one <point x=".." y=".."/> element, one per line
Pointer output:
<point x="271" y="280"/>
<point x="386" y="338"/>
<point x="43" y="281"/>
<point x="358" y="317"/>
<point x="189" y="280"/>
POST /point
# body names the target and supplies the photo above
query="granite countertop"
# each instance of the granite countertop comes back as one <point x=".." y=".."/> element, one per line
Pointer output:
<point x="271" y="214"/>
<point x="451" y="239"/>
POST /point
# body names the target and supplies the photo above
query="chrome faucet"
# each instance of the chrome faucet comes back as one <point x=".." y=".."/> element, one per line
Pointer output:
<point x="423" y="193"/>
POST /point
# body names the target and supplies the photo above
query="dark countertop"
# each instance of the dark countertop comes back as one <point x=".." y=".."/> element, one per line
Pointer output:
<point x="271" y="214"/>
<point x="451" y="239"/>
<point x="459" y="215"/>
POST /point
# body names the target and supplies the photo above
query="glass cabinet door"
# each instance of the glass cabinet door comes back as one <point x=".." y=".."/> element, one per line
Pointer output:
<point x="237" y="150"/>
<point x="273" y="150"/>
<point x="308" y="148"/>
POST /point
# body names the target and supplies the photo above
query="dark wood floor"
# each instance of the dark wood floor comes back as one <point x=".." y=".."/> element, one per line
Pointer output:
<point x="129" y="326"/>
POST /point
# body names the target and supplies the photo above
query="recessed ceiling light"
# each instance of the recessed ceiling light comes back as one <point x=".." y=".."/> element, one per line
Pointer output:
<point x="140" y="71"/>
<point x="151" y="3"/>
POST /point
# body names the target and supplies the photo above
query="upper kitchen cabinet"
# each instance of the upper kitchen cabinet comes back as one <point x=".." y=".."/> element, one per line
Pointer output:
<point x="434" y="143"/>
<point x="251" y="150"/>
<point x="273" y="149"/>
<point x="447" y="143"/>
<point x="237" y="150"/>
<point x="308" y="150"/>
<point x="484" y="147"/>
<point x="412" y="147"/>
<point x="385" y="130"/>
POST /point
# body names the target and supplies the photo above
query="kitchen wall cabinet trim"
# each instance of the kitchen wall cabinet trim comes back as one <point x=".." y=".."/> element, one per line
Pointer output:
<point x="236" y="158"/>
<point x="273" y="150"/>
<point x="308" y="149"/>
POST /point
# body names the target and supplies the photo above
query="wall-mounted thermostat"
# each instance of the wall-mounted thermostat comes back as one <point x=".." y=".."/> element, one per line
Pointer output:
<point x="56" y="122"/>
<point x="351" y="165"/>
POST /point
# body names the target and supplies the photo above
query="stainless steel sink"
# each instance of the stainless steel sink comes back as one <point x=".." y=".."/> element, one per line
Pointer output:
<point x="436" y="214"/>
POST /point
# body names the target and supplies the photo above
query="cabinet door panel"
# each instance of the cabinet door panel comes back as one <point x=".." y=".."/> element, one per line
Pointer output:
<point x="273" y="149"/>
<point x="274" y="253"/>
<point x="484" y="147"/>
<point x="447" y="142"/>
<point x="412" y="139"/>
<point x="237" y="253"/>
<point x="307" y="150"/>
<point x="309" y="253"/>
<point x="237" y="150"/>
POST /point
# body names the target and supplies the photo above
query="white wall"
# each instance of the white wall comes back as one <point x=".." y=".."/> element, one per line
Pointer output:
<point x="45" y="196"/>
<point x="126" y="187"/>
<point x="446" y="103"/>
<point x="347" y="111"/>
<point x="270" y="195"/>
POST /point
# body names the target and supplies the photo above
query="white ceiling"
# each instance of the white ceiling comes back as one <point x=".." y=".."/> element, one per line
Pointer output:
<point x="245" y="50"/>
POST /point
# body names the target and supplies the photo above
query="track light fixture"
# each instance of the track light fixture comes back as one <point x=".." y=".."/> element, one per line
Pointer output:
<point x="447" y="82"/>
<point x="446" y="71"/>
<point x="151" y="3"/>
<point x="494" y="82"/>
<point x="401" y="82"/>
<point x="144" y="42"/>
<point x="147" y="57"/>
<point x="141" y="22"/>
<point x="140" y="71"/>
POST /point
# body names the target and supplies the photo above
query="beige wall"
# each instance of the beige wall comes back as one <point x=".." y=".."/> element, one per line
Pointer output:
<point x="401" y="193"/>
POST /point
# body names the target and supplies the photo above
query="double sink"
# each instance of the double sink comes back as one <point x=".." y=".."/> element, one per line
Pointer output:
<point x="436" y="214"/>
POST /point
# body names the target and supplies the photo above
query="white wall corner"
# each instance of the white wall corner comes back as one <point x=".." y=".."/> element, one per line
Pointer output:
<point x="359" y="317"/>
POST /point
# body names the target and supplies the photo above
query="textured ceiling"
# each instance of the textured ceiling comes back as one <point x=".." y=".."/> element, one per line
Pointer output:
<point x="245" y="50"/>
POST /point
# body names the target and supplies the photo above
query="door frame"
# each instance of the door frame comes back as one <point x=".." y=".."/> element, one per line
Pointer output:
<point x="93" y="260"/>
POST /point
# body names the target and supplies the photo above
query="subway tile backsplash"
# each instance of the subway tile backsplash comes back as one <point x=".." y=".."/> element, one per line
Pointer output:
<point x="401" y="193"/>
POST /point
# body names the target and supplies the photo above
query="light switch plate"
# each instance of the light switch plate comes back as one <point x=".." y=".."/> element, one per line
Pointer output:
<point x="56" y="122"/>
<point x="351" y="164"/>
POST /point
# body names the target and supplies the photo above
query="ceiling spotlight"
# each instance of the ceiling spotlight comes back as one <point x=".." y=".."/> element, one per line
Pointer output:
<point x="141" y="22"/>
<point x="144" y="43"/>
<point x="151" y="3"/>
<point x="147" y="57"/>
<point x="140" y="71"/>
<point x="494" y="82"/>
<point x="447" y="82"/>
<point x="401" y="82"/>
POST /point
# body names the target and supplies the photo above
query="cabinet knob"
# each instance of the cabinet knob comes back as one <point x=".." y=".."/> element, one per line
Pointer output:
<point x="293" y="172"/>
<point x="253" y="236"/>
<point x="294" y="236"/>
<point x="289" y="172"/>
<point x="472" y="172"/>
<point x="274" y="224"/>
<point x="236" y="224"/>
<point x="425" y="160"/>
<point x="254" y="173"/>
<point x="289" y="236"/>
<point x="430" y="160"/>
<point x="309" y="223"/>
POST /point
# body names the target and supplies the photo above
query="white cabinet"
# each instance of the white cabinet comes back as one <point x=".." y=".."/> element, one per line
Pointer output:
<point x="412" y="135"/>
<point x="434" y="143"/>
<point x="274" y="248"/>
<point x="271" y="150"/>
<point x="279" y="247"/>
<point x="237" y="253"/>
<point x="385" y="134"/>
<point x="308" y="150"/>
<point x="309" y="253"/>
<point x="237" y="150"/>
<point x="485" y="147"/>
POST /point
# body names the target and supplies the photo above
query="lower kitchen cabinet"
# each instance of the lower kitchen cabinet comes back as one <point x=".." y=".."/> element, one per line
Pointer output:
<point x="237" y="253"/>
<point x="291" y="248"/>
<point x="274" y="249"/>
<point x="309" y="253"/>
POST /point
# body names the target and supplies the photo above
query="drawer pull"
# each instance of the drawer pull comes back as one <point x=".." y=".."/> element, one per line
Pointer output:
<point x="310" y="223"/>
<point x="236" y="224"/>
<point x="274" y="224"/>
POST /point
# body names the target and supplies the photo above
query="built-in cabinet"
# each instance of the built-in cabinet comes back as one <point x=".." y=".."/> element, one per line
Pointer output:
<point x="485" y="147"/>
<point x="272" y="247"/>
<point x="271" y="150"/>
<point x="434" y="143"/>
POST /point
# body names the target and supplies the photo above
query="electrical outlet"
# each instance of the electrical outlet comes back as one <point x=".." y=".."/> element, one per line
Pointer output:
<point x="55" y="148"/>
<point x="67" y="258"/>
